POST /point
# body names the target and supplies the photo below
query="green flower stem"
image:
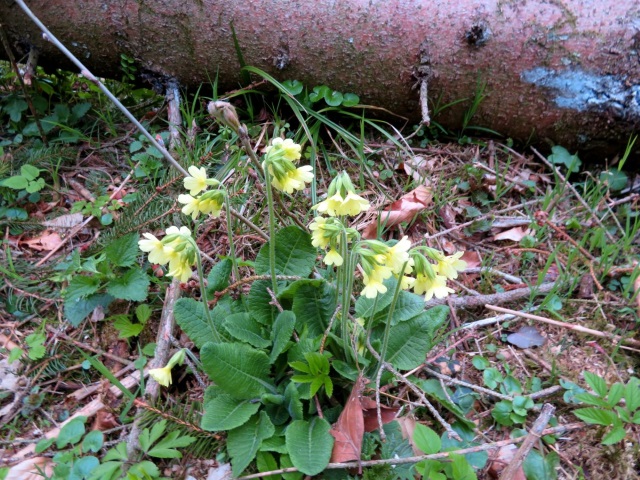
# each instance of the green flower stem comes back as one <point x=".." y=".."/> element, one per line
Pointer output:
<point x="203" y="292"/>
<point x="272" y="233"/>
<point x="346" y="280"/>
<point x="232" y="247"/>
<point x="387" y="327"/>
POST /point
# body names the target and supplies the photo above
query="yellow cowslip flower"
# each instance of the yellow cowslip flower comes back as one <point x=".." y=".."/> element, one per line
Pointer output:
<point x="191" y="205"/>
<point x="372" y="285"/>
<point x="161" y="375"/>
<point x="180" y="268"/>
<point x="293" y="179"/>
<point x="353" y="205"/>
<point x="319" y="237"/>
<point x="184" y="231"/>
<point x="398" y="255"/>
<point x="159" y="253"/>
<point x="333" y="258"/>
<point x="197" y="182"/>
<point x="330" y="205"/>
<point x="289" y="149"/>
<point x="407" y="282"/>
<point x="436" y="286"/>
<point x="210" y="206"/>
<point x="451" y="265"/>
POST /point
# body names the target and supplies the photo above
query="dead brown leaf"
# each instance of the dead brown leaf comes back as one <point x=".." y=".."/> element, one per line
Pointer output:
<point x="349" y="429"/>
<point x="370" y="413"/>
<point x="45" y="242"/>
<point x="516" y="234"/>
<point x="636" y="287"/>
<point x="407" y="426"/>
<point x="64" y="221"/>
<point x="105" y="420"/>
<point x="472" y="258"/>
<point x="402" y="210"/>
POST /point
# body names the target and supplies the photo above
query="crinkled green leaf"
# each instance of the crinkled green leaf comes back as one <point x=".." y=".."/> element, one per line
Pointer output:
<point x="295" y="255"/>
<point x="281" y="333"/>
<point x="260" y="302"/>
<point x="243" y="442"/>
<point x="225" y="412"/>
<point x="245" y="328"/>
<point x="190" y="316"/>
<point x="238" y="369"/>
<point x="309" y="444"/>
<point x="218" y="278"/>
<point x="81" y="286"/>
<point x="314" y="302"/>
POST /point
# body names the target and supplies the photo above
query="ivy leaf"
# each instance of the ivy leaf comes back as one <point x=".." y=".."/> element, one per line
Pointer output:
<point x="71" y="433"/>
<point x="350" y="100"/>
<point x="295" y="255"/>
<point x="294" y="87"/>
<point x="238" y="369"/>
<point x="133" y="285"/>
<point x="334" y="98"/>
<point x="225" y="413"/>
<point x="189" y="315"/>
<point x="92" y="442"/>
<point x="319" y="92"/>
<point x="14" y="107"/>
<point x="245" y="328"/>
<point x="561" y="156"/>
<point x="410" y="341"/>
<point x="123" y="252"/>
<point x="309" y="444"/>
<point x="243" y="442"/>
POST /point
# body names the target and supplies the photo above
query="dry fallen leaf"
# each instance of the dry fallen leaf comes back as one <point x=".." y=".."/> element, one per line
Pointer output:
<point x="370" y="413"/>
<point x="472" y="258"/>
<point x="64" y="221"/>
<point x="45" y="242"/>
<point x="349" y="429"/>
<point x="516" y="234"/>
<point x="500" y="461"/>
<point x="636" y="287"/>
<point x="417" y="167"/>
<point x="29" y="469"/>
<point x="402" y="210"/>
<point x="526" y="337"/>
<point x="407" y="426"/>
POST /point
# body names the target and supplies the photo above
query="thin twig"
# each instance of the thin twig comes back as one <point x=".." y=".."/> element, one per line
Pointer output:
<point x="569" y="326"/>
<point x="575" y="193"/>
<point x="419" y="458"/>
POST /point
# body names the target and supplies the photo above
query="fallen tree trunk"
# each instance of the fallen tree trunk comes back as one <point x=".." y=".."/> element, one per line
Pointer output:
<point x="565" y="71"/>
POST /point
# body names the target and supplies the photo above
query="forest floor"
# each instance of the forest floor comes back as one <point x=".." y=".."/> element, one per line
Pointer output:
<point x="548" y="295"/>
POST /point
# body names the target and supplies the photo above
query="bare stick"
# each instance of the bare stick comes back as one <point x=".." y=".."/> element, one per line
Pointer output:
<point x="161" y="355"/>
<point x="534" y="435"/>
<point x="504" y="297"/>
<point x="419" y="458"/>
<point x="569" y="326"/>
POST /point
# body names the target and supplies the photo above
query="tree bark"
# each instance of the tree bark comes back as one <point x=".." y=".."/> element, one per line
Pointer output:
<point x="567" y="71"/>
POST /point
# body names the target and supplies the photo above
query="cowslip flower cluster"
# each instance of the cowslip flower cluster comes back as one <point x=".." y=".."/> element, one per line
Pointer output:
<point x="163" y="375"/>
<point x="342" y="199"/>
<point x="380" y="261"/>
<point x="280" y="163"/>
<point x="176" y="249"/>
<point x="208" y="203"/>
